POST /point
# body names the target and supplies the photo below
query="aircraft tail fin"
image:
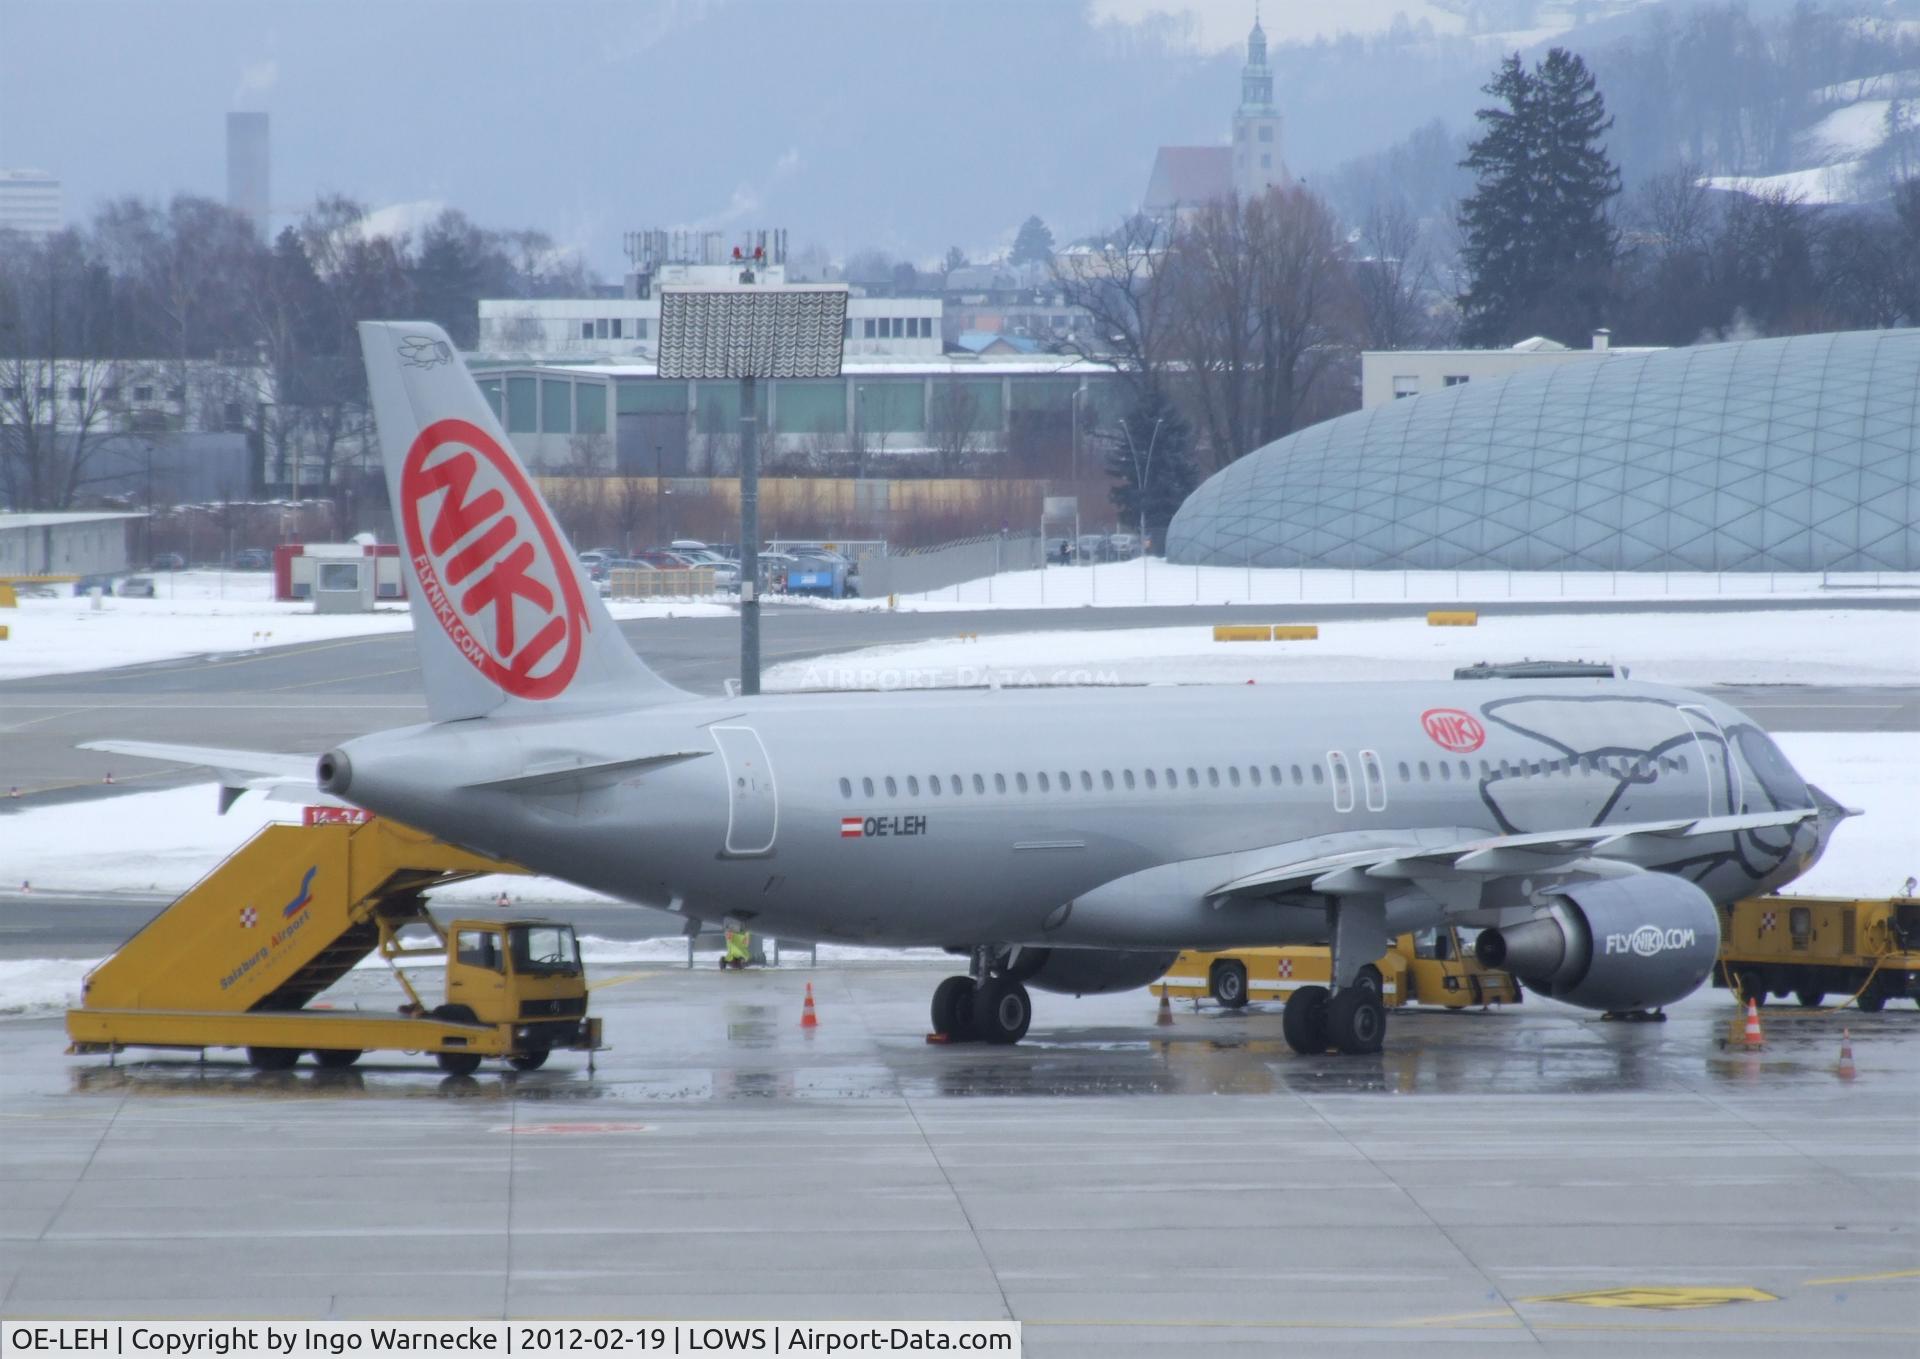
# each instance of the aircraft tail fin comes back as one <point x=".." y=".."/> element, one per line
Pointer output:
<point x="503" y="615"/>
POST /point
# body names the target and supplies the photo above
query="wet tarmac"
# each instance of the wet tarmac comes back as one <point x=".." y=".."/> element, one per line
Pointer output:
<point x="1119" y="1186"/>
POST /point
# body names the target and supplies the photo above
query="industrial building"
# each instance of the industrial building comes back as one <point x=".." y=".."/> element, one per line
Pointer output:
<point x="1799" y="454"/>
<point x="1395" y="374"/>
<point x="30" y="202"/>
<point x="77" y="544"/>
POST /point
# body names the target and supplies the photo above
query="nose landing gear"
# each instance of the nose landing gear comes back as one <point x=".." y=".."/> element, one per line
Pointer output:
<point x="990" y="1006"/>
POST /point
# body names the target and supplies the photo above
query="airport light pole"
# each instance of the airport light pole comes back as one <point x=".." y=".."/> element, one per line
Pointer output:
<point x="1140" y="475"/>
<point x="746" y="333"/>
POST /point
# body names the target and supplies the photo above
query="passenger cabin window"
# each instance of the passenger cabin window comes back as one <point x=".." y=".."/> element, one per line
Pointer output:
<point x="1319" y="776"/>
<point x="1233" y="775"/>
<point x="1375" y="776"/>
<point x="1127" y="774"/>
<point x="478" y="948"/>
<point x="1213" y="777"/>
<point x="1106" y="779"/>
<point x="999" y="783"/>
<point x="1086" y="781"/>
<point x="1042" y="778"/>
<point x="893" y="789"/>
<point x="933" y="785"/>
<point x="1020" y="781"/>
<point x="846" y="788"/>
<point x="913" y="786"/>
<point x="980" y="784"/>
<point x="866" y="787"/>
<point x="1151" y="782"/>
<point x="957" y="788"/>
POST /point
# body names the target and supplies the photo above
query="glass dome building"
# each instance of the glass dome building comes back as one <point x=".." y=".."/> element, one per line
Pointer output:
<point x="1795" y="454"/>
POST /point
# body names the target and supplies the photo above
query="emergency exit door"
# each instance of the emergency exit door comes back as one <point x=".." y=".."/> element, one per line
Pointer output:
<point x="753" y="808"/>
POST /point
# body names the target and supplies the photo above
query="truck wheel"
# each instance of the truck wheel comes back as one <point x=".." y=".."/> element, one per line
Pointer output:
<point x="1809" y="997"/>
<point x="453" y="1014"/>
<point x="335" y="1059"/>
<point x="1753" y="987"/>
<point x="458" y="1063"/>
<point x="1872" y="1002"/>
<point x="1229" y="984"/>
<point x="529" y="1061"/>
<point x="273" y="1059"/>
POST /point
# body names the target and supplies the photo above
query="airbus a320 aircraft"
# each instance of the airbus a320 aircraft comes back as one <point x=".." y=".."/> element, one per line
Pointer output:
<point x="1069" y="840"/>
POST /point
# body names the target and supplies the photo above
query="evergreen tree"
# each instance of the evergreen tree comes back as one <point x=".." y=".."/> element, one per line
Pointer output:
<point x="1154" y="426"/>
<point x="1538" y="244"/>
<point x="1034" y="244"/>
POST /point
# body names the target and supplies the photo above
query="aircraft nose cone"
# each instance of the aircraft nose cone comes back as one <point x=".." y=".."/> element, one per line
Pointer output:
<point x="335" y="772"/>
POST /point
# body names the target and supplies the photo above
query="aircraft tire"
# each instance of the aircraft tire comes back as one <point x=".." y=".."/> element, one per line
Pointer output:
<point x="1002" y="1011"/>
<point x="1356" y="1020"/>
<point x="1304" y="1020"/>
<point x="1229" y="984"/>
<point x="953" y="1009"/>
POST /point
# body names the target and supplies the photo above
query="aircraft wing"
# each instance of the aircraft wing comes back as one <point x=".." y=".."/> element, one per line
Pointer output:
<point x="284" y="777"/>
<point x="1474" y="859"/>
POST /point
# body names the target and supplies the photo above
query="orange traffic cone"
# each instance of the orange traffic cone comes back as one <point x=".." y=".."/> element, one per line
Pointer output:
<point x="1166" y="1009"/>
<point x="808" y="1019"/>
<point x="1751" y="1038"/>
<point x="1847" y="1072"/>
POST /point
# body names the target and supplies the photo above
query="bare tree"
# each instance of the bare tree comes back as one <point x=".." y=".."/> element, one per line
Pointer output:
<point x="1394" y="278"/>
<point x="954" y="429"/>
<point x="1115" y="283"/>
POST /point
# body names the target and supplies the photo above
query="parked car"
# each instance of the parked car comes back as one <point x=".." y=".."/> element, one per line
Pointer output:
<point x="167" y="561"/>
<point x="1121" y="546"/>
<point x="1090" y="547"/>
<point x="87" y="584"/>
<point x="252" y="559"/>
<point x="137" y="587"/>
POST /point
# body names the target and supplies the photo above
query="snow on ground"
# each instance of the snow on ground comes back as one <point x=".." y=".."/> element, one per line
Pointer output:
<point x="1822" y="184"/>
<point x="1848" y="133"/>
<point x="61" y="846"/>
<point x="1132" y="583"/>
<point x="1836" y="646"/>
<point x="198" y="613"/>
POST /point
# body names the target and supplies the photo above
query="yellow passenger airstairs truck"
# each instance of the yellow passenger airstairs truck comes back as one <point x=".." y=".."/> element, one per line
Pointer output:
<point x="240" y="960"/>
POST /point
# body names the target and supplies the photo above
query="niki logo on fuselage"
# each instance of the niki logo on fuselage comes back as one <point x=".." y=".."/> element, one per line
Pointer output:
<point x="491" y="565"/>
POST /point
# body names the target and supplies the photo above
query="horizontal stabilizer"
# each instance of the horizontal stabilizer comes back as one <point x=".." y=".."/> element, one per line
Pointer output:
<point x="583" y="776"/>
<point x="281" y="776"/>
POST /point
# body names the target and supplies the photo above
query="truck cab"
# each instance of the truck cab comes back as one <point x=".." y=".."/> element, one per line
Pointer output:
<point x="526" y="973"/>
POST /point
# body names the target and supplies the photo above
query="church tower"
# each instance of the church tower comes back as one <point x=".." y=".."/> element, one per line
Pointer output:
<point x="1256" y="123"/>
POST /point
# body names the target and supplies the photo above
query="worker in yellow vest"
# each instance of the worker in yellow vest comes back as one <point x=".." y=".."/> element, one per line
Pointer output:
<point x="739" y="946"/>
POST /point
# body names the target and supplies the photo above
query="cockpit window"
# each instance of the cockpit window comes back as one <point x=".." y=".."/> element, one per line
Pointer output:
<point x="1779" y="780"/>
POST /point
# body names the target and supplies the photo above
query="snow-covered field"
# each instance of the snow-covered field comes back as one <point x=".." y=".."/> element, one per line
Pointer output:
<point x="1838" y="646"/>
<point x="164" y="841"/>
<point x="1120" y="584"/>
<point x="197" y="613"/>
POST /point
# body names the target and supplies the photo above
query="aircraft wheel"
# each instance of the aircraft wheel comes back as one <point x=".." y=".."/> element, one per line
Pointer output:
<point x="1002" y="1011"/>
<point x="1809" y="998"/>
<point x="953" y="1009"/>
<point x="1872" y="1002"/>
<point x="1230" y="984"/>
<point x="335" y="1059"/>
<point x="1356" y="1021"/>
<point x="458" y="1063"/>
<point x="273" y="1059"/>
<point x="1304" y="1021"/>
<point x="529" y="1061"/>
<point x="1370" y="978"/>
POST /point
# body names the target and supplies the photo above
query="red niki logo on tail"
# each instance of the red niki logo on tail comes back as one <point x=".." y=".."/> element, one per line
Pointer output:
<point x="492" y="567"/>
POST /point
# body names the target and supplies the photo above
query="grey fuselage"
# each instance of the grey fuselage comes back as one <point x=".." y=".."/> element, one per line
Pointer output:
<point x="817" y="815"/>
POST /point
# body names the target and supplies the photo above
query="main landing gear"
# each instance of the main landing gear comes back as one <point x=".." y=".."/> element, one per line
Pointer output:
<point x="1352" y="1017"/>
<point x="990" y="1006"/>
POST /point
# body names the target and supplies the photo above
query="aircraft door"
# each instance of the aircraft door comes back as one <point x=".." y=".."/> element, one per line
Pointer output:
<point x="753" y="807"/>
<point x="1722" y="771"/>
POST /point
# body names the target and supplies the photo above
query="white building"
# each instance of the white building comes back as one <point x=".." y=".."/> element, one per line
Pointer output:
<point x="79" y="544"/>
<point x="622" y="417"/>
<point x="30" y="202"/>
<point x="628" y="327"/>
<point x="1390" y="374"/>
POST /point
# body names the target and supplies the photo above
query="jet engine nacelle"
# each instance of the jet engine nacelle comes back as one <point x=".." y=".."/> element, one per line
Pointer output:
<point x="1614" y="944"/>
<point x="1089" y="971"/>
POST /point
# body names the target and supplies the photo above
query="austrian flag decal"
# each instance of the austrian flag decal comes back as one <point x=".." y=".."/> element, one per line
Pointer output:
<point x="850" y="827"/>
<point x="491" y="564"/>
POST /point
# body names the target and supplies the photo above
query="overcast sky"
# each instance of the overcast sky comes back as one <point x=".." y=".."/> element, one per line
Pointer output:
<point x="906" y="124"/>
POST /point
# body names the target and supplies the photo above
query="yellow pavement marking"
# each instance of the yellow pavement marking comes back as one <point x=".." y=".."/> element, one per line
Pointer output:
<point x="1661" y="1299"/>
<point x="1866" y="1278"/>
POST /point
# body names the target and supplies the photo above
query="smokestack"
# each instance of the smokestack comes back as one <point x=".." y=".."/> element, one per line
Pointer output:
<point x="247" y="164"/>
<point x="1601" y="338"/>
